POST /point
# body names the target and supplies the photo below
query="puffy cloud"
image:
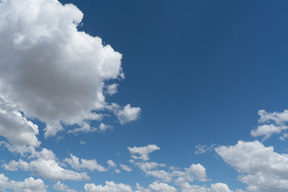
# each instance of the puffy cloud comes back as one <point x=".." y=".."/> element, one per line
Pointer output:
<point x="267" y="130"/>
<point x="61" y="187"/>
<point x="186" y="187"/>
<point x="260" y="167"/>
<point x="28" y="185"/>
<point x="52" y="71"/>
<point x="14" y="126"/>
<point x="278" y="118"/>
<point x="126" y="168"/>
<point x="109" y="187"/>
<point x="142" y="152"/>
<point x="161" y="187"/>
<point x="128" y="114"/>
<point x="92" y="165"/>
<point x="45" y="165"/>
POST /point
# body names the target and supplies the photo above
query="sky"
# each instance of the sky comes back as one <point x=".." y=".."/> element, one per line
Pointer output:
<point x="143" y="96"/>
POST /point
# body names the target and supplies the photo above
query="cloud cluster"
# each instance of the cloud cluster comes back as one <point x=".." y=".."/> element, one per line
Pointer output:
<point x="109" y="187"/>
<point x="28" y="185"/>
<point x="44" y="164"/>
<point x="271" y="123"/>
<point x="260" y="167"/>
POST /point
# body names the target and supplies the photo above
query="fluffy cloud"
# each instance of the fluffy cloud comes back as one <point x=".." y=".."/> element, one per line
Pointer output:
<point x="28" y="185"/>
<point x="142" y="152"/>
<point x="75" y="163"/>
<point x="45" y="165"/>
<point x="186" y="187"/>
<point x="51" y="71"/>
<point x="109" y="187"/>
<point x="128" y="114"/>
<point x="61" y="187"/>
<point x="112" y="89"/>
<point x="157" y="187"/>
<point x="278" y="118"/>
<point x="201" y="149"/>
<point x="267" y="130"/>
<point x="260" y="167"/>
<point x="14" y="126"/>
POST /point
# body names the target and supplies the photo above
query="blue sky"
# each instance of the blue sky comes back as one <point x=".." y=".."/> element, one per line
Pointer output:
<point x="143" y="96"/>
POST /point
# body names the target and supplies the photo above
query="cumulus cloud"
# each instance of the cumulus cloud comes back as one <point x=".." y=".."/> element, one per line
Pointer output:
<point x="267" y="130"/>
<point x="109" y="187"/>
<point x="142" y="153"/>
<point x="44" y="164"/>
<point x="15" y="127"/>
<point x="186" y="187"/>
<point x="276" y="117"/>
<point x="128" y="114"/>
<point x="78" y="164"/>
<point x="157" y="187"/>
<point x="28" y="185"/>
<point x="52" y="71"/>
<point x="61" y="187"/>
<point x="260" y="167"/>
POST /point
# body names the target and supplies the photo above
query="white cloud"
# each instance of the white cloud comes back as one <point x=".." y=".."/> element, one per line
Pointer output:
<point x="278" y="118"/>
<point x="109" y="187"/>
<point x="112" y="89"/>
<point x="267" y="130"/>
<point x="260" y="167"/>
<point x="143" y="152"/>
<point x="186" y="187"/>
<point x="58" y="72"/>
<point x="103" y="127"/>
<point x="77" y="164"/>
<point x="45" y="165"/>
<point x="28" y="185"/>
<point x="128" y="114"/>
<point x="161" y="187"/>
<point x="149" y="165"/>
<point x="126" y="168"/>
<point x="15" y="127"/>
<point x="61" y="187"/>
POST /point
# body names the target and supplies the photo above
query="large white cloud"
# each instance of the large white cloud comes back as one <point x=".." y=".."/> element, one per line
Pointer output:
<point x="50" y="70"/>
<point x="260" y="167"/>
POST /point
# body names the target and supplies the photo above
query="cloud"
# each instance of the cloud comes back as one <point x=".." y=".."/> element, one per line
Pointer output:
<point x="260" y="167"/>
<point x="109" y="187"/>
<point x="156" y="187"/>
<point x="44" y="164"/>
<point x="128" y="114"/>
<point x="276" y="117"/>
<point x="15" y="127"/>
<point x="126" y="168"/>
<point x="142" y="152"/>
<point x="51" y="71"/>
<point x="113" y="165"/>
<point x="186" y="187"/>
<point x="267" y="130"/>
<point x="112" y="89"/>
<point x="77" y="164"/>
<point x="201" y="149"/>
<point x="28" y="185"/>
<point x="61" y="187"/>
